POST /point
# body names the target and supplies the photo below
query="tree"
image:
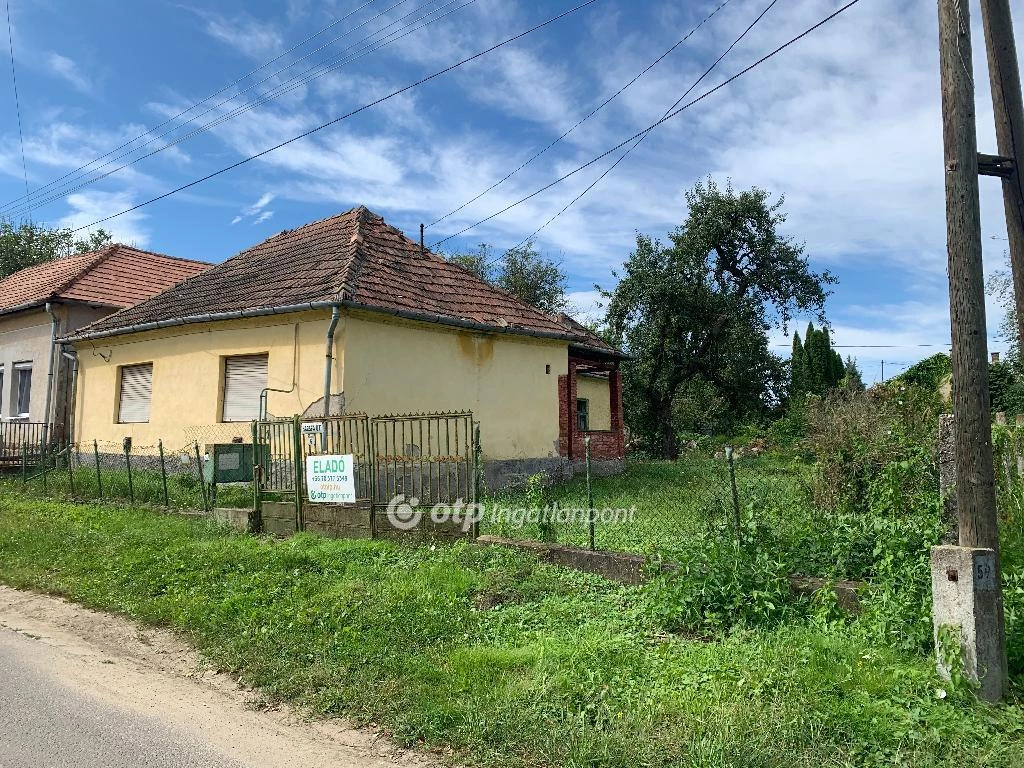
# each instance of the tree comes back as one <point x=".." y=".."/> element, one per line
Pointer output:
<point x="27" y="244"/>
<point x="478" y="262"/>
<point x="815" y="367"/>
<point x="701" y="308"/>
<point x="852" y="380"/>
<point x="521" y="271"/>
<point x="1000" y="287"/>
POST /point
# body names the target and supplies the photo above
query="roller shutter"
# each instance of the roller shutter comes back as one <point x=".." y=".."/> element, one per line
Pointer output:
<point x="136" y="393"/>
<point x="245" y="377"/>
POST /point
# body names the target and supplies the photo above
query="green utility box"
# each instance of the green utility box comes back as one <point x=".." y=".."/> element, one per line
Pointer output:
<point x="231" y="462"/>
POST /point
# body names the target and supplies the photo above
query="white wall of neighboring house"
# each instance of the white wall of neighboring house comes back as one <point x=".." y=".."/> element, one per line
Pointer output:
<point x="25" y="345"/>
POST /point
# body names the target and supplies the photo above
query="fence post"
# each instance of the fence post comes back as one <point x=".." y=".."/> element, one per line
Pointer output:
<point x="591" y="533"/>
<point x="24" y="464"/>
<point x="71" y="472"/>
<point x="163" y="472"/>
<point x="256" y="520"/>
<point x="128" y="466"/>
<point x="202" y="475"/>
<point x="46" y="466"/>
<point x="299" y="470"/>
<point x="478" y="478"/>
<point x="99" y="476"/>
<point x="735" y="494"/>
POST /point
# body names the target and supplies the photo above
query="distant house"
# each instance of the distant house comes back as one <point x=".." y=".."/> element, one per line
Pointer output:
<point x="42" y="303"/>
<point x="403" y="330"/>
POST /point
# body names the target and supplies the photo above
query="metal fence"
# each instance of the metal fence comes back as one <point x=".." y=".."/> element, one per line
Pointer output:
<point x="423" y="458"/>
<point x="655" y="507"/>
<point x="117" y="472"/>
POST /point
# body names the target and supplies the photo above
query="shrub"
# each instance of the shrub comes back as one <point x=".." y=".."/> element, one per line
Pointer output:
<point x="725" y="583"/>
<point x="875" y="450"/>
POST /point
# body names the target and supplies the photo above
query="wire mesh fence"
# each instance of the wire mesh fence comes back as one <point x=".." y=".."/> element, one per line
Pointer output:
<point x="655" y="507"/>
<point x="122" y="471"/>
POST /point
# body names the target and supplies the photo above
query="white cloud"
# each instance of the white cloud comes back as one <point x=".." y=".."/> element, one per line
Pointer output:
<point x="87" y="207"/>
<point x="256" y="210"/>
<point x="246" y="35"/>
<point x="68" y="70"/>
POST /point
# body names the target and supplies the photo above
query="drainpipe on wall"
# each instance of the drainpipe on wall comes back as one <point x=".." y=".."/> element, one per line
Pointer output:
<point x="72" y="400"/>
<point x="54" y="324"/>
<point x="335" y="315"/>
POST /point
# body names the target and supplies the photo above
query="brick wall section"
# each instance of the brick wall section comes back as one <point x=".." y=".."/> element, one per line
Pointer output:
<point x="604" y="444"/>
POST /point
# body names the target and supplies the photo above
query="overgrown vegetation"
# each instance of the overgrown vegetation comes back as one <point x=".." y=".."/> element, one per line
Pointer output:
<point x="695" y="314"/>
<point x="509" y="662"/>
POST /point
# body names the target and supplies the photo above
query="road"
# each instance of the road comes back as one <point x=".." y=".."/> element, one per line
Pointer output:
<point x="87" y="690"/>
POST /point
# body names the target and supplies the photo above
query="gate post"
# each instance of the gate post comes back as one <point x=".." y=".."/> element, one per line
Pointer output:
<point x="256" y="519"/>
<point x="369" y="445"/>
<point x="299" y="471"/>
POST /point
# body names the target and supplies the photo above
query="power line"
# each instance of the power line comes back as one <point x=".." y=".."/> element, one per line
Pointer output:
<point x="580" y="122"/>
<point x="363" y="108"/>
<point x="639" y="141"/>
<point x="289" y="85"/>
<point x="651" y="127"/>
<point x="17" y="102"/>
<point x="193" y="106"/>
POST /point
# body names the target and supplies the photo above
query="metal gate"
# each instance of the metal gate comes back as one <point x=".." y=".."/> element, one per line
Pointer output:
<point x="416" y="461"/>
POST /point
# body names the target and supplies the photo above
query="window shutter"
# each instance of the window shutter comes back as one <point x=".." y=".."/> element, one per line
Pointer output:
<point x="245" y="377"/>
<point x="136" y="393"/>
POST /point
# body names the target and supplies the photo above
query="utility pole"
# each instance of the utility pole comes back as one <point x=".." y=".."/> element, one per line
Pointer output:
<point x="1008" y="109"/>
<point x="953" y="571"/>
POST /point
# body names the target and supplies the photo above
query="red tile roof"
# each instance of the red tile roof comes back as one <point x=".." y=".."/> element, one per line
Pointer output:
<point x="354" y="259"/>
<point x="116" y="276"/>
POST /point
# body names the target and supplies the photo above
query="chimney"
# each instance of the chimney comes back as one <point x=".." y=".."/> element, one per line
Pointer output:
<point x="995" y="357"/>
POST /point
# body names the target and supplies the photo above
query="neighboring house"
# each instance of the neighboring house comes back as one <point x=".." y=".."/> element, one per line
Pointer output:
<point x="44" y="302"/>
<point x="403" y="329"/>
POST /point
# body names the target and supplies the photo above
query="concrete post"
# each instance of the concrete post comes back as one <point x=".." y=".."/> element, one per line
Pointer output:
<point x="965" y="596"/>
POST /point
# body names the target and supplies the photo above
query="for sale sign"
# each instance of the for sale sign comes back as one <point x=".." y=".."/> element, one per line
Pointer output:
<point x="331" y="479"/>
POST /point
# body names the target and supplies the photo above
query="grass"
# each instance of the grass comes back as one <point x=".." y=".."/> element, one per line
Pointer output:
<point x="499" y="659"/>
<point x="676" y="503"/>
<point x="183" y="488"/>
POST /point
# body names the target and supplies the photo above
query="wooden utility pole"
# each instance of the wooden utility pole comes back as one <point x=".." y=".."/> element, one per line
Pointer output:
<point x="975" y="479"/>
<point x="975" y="476"/>
<point x="1008" y="108"/>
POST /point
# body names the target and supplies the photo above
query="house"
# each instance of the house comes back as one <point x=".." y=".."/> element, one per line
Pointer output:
<point x="42" y="303"/>
<point x="351" y="308"/>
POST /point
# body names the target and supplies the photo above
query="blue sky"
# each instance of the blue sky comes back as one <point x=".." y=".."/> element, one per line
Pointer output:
<point x="846" y="124"/>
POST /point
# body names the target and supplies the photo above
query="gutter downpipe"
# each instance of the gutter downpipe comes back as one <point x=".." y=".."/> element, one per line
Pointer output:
<point x="73" y="399"/>
<point x="328" y="363"/>
<point x="54" y="323"/>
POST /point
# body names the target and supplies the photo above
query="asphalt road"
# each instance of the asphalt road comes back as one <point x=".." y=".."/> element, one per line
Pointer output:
<point x="45" y="722"/>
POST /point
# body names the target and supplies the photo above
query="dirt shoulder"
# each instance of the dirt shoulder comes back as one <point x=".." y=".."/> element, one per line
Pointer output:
<point x="152" y="672"/>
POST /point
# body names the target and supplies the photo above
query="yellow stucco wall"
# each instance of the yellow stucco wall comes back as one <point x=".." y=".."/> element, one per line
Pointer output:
<point x="382" y="365"/>
<point x="399" y="367"/>
<point x="188" y="377"/>
<point x="595" y="389"/>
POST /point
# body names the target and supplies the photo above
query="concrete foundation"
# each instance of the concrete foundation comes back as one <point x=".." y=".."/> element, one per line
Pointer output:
<point x="967" y="599"/>
<point x="507" y="473"/>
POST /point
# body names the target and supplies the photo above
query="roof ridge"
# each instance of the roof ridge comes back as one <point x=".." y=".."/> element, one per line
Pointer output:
<point x="102" y="254"/>
<point x="354" y="269"/>
<point x="162" y="255"/>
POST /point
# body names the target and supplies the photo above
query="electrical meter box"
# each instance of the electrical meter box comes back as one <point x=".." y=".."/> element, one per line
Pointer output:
<point x="230" y="462"/>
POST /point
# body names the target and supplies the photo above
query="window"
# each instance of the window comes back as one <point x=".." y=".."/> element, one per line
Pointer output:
<point x="135" y="394"/>
<point x="245" y="377"/>
<point x="23" y="375"/>
<point x="1" y="391"/>
<point x="583" y="415"/>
